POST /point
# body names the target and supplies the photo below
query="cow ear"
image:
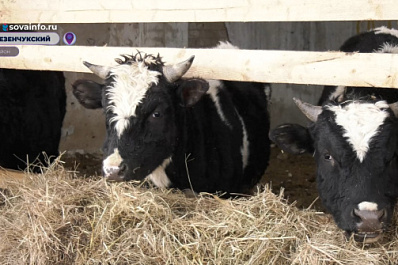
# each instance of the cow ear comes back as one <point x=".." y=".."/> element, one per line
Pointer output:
<point x="88" y="93"/>
<point x="192" y="90"/>
<point x="292" y="138"/>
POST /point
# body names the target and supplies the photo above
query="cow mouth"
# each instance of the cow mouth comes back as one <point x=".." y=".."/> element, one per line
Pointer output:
<point x="367" y="237"/>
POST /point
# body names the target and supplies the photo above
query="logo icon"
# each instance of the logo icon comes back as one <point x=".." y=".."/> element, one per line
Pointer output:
<point x="5" y="27"/>
<point x="69" y="38"/>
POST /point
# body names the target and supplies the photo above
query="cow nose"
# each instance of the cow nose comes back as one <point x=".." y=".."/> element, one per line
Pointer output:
<point x="371" y="220"/>
<point x="370" y="223"/>
<point x="115" y="173"/>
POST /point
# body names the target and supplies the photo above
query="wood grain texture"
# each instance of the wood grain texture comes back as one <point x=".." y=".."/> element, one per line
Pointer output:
<point x="296" y="67"/>
<point x="128" y="11"/>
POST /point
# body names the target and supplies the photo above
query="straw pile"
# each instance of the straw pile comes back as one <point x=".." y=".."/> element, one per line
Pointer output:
<point x="56" y="218"/>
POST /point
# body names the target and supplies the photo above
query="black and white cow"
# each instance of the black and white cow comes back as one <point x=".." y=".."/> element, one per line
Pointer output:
<point x="354" y="139"/>
<point x="204" y="135"/>
<point x="32" y="107"/>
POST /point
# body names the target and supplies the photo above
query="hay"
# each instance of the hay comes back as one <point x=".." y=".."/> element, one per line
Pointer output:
<point x="56" y="218"/>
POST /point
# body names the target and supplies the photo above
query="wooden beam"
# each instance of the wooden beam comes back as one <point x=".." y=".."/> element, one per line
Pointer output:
<point x="319" y="68"/>
<point x="127" y="11"/>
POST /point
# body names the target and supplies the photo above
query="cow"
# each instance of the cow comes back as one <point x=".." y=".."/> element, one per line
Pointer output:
<point x="353" y="136"/>
<point x="184" y="133"/>
<point x="32" y="107"/>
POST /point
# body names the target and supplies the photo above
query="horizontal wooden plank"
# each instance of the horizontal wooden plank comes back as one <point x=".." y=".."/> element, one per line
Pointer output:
<point x="126" y="11"/>
<point x="319" y="68"/>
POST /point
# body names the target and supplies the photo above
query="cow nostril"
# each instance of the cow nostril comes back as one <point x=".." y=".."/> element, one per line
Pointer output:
<point x="122" y="168"/>
<point x="382" y="215"/>
<point x="356" y="215"/>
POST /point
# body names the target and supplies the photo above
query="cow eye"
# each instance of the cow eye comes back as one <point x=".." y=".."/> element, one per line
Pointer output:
<point x="156" y="114"/>
<point x="328" y="157"/>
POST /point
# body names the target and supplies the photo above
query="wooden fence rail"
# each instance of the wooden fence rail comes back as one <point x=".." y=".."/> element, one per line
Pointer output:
<point x="324" y="68"/>
<point x="127" y="11"/>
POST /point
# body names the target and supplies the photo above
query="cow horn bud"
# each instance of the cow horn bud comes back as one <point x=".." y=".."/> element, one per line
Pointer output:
<point x="101" y="71"/>
<point x="310" y="111"/>
<point x="175" y="72"/>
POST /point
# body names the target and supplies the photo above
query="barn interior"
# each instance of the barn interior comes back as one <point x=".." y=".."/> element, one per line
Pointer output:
<point x="83" y="129"/>
<point x="69" y="214"/>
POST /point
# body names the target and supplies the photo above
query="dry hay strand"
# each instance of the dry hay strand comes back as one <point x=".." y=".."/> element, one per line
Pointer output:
<point x="57" y="218"/>
<point x="10" y="174"/>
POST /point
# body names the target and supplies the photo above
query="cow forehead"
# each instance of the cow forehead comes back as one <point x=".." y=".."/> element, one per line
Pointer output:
<point x="360" y="122"/>
<point x="128" y="89"/>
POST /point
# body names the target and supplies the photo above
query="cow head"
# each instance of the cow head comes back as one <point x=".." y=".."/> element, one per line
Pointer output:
<point x="140" y="97"/>
<point x="355" y="145"/>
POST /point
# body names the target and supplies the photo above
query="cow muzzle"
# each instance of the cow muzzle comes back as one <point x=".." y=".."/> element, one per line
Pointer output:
<point x="113" y="167"/>
<point x="370" y="225"/>
<point x="114" y="173"/>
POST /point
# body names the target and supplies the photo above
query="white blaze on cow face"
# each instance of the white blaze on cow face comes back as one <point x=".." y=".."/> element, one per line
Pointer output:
<point x="131" y="82"/>
<point x="360" y="122"/>
<point x="367" y="206"/>
<point x="159" y="177"/>
<point x="111" y="163"/>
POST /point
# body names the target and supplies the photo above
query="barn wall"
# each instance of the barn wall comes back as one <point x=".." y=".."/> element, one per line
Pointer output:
<point x="204" y="35"/>
<point x="83" y="129"/>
